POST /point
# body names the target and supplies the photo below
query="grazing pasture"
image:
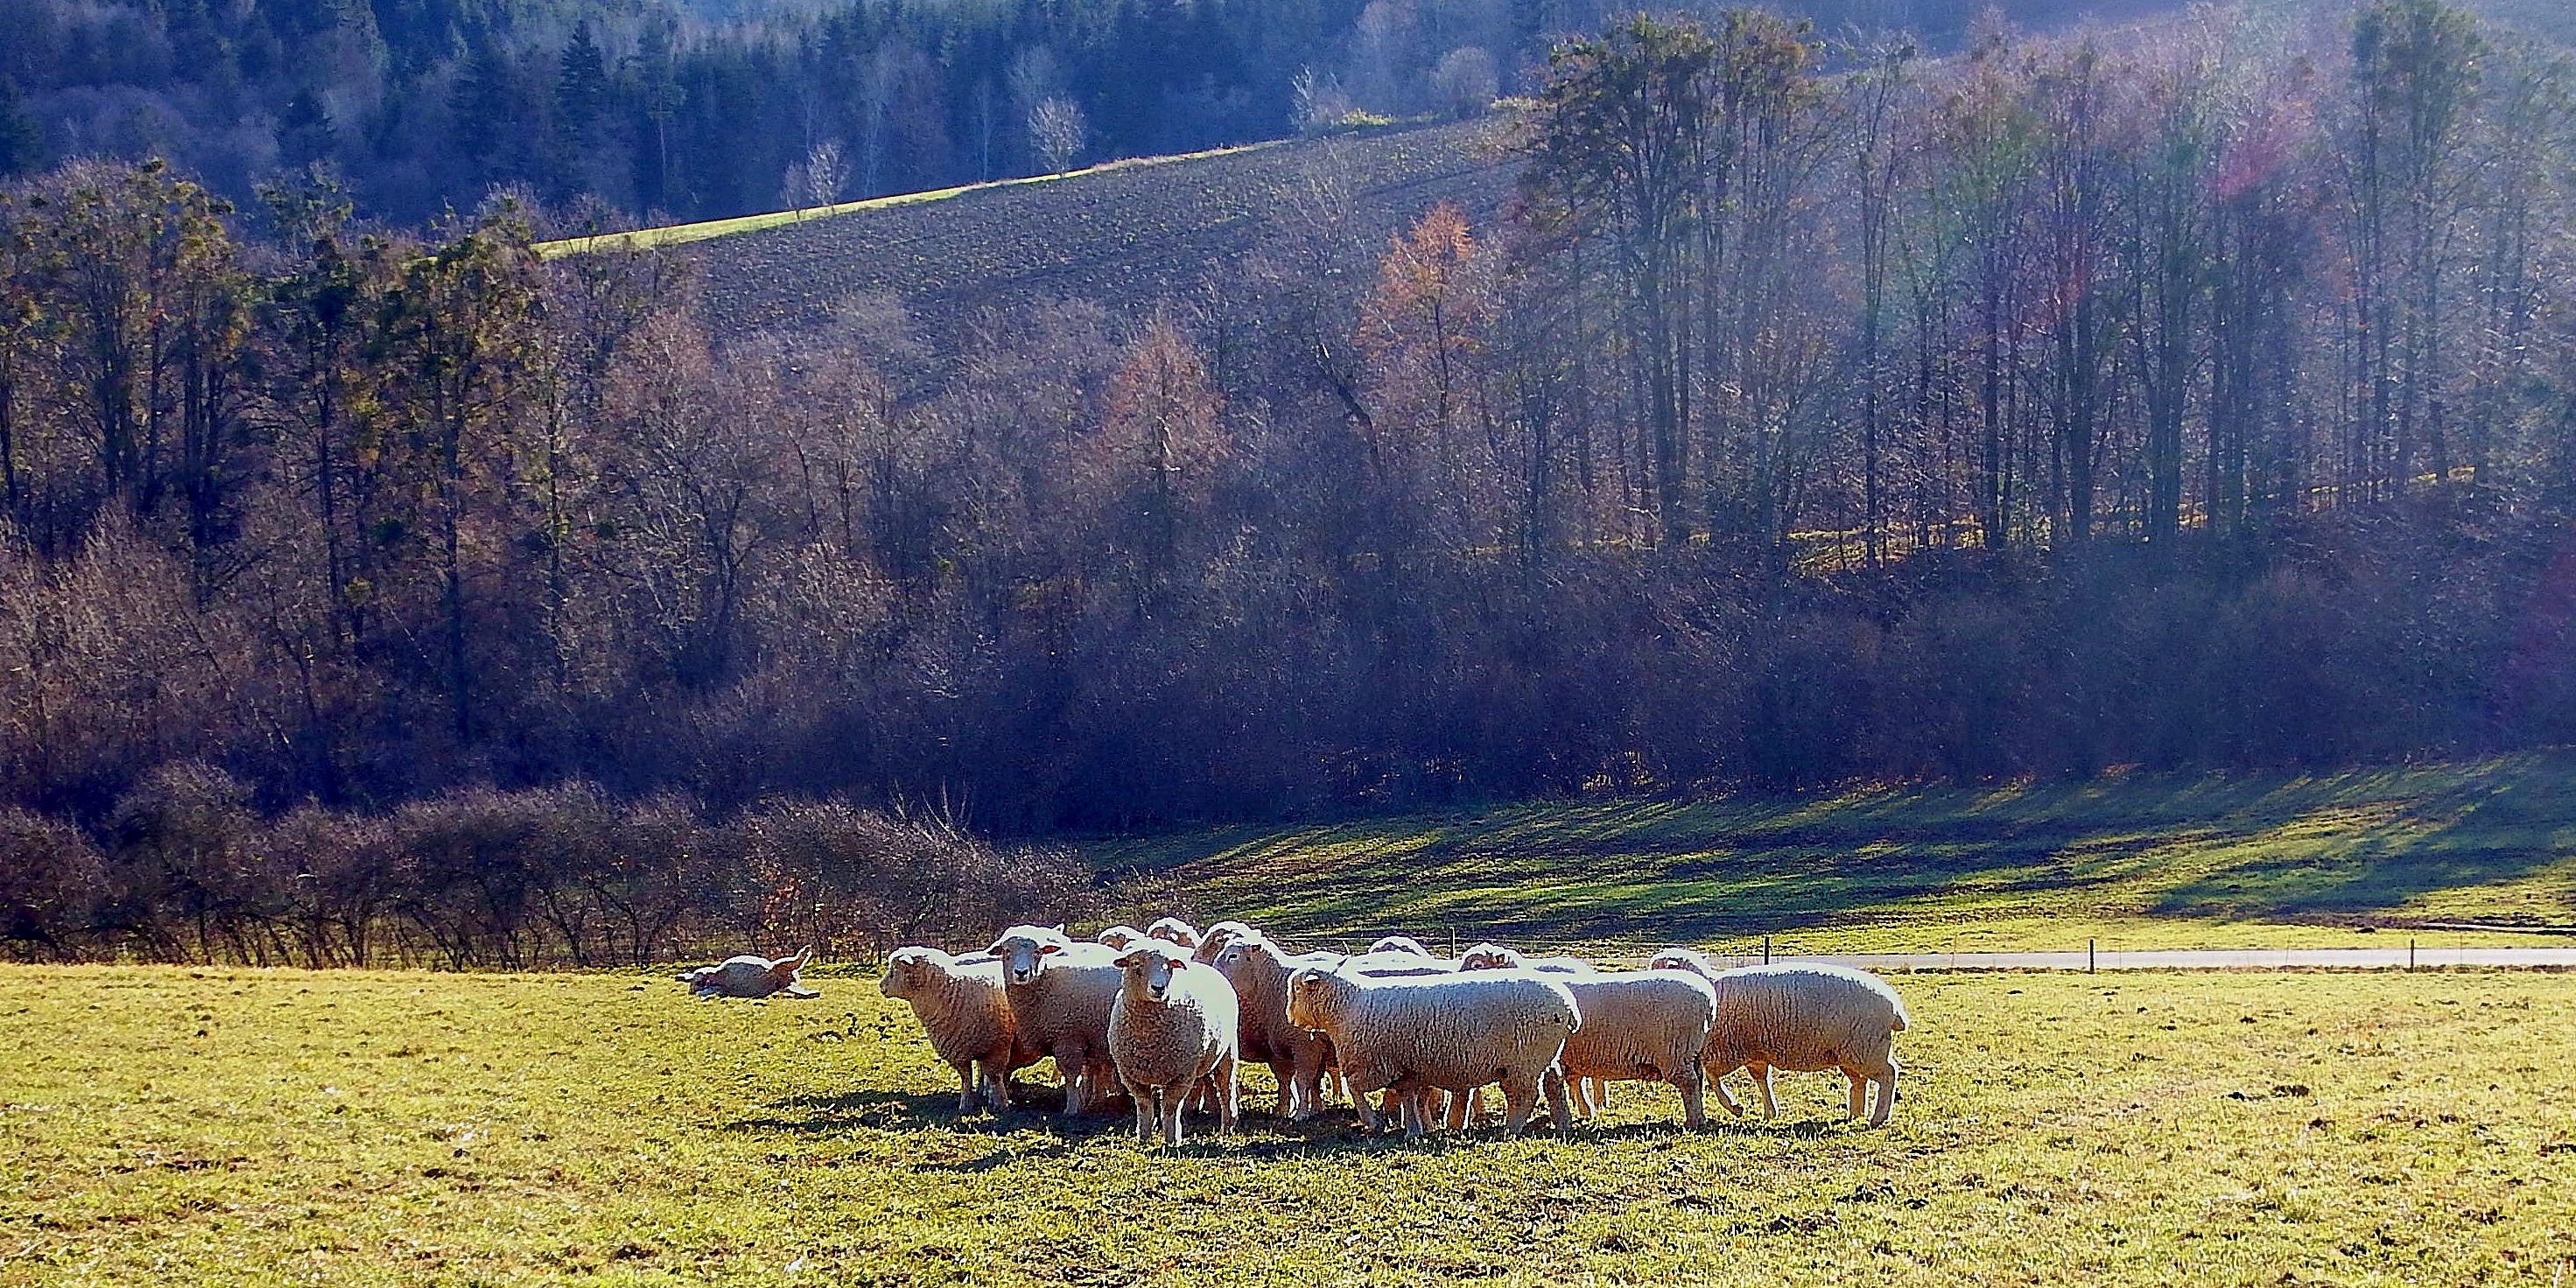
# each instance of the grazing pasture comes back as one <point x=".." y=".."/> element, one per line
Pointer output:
<point x="167" y="1125"/>
<point x="2138" y="861"/>
<point x="1125" y="235"/>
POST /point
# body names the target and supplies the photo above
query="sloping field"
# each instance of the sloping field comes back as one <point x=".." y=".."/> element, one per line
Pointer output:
<point x="169" y="1126"/>
<point x="2138" y="861"/>
<point x="1121" y="234"/>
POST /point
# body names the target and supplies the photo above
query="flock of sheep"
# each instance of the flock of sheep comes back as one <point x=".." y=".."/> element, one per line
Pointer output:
<point x="1169" y="1016"/>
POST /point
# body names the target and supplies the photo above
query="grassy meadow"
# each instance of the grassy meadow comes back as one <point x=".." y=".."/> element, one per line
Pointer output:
<point x="2136" y="861"/>
<point x="167" y="1125"/>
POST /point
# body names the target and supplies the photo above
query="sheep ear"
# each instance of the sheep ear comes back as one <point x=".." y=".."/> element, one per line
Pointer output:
<point x="1050" y="948"/>
<point x="1059" y="927"/>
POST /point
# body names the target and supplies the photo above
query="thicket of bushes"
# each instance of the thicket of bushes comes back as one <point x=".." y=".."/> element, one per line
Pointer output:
<point x="184" y="870"/>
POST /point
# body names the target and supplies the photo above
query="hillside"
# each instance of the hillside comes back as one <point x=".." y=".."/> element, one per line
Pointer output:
<point x="1117" y="234"/>
<point x="2138" y="861"/>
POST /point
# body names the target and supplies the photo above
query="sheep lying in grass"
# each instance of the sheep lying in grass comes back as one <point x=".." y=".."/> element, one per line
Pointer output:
<point x="965" y="1009"/>
<point x="1450" y="1033"/>
<point x="1800" y="1017"/>
<point x="1172" y="1033"/>
<point x="1061" y="993"/>
<point x="1121" y="938"/>
<point x="1259" y="970"/>
<point x="1173" y="930"/>
<point x="751" y="976"/>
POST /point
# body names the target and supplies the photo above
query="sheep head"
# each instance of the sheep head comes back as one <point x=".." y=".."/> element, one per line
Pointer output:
<point x="1491" y="957"/>
<point x="1023" y="950"/>
<point x="1174" y="930"/>
<point x="909" y="969"/>
<point x="1120" y="936"/>
<point x="1399" y="944"/>
<point x="1151" y="968"/>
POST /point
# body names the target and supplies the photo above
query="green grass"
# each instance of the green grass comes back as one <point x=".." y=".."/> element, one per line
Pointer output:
<point x="682" y="234"/>
<point x="168" y="1126"/>
<point x="2136" y="861"/>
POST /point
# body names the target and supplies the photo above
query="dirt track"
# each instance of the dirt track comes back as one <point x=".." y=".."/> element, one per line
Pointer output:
<point x="2397" y="957"/>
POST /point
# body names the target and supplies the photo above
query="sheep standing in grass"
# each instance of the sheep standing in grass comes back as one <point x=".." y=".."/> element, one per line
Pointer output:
<point x="1121" y="938"/>
<point x="751" y="976"/>
<point x="1061" y="993"/>
<point x="1171" y="1034"/>
<point x="1259" y="970"/>
<point x="1173" y="930"/>
<point x="1649" y="1025"/>
<point x="965" y="1009"/>
<point x="1804" y="1018"/>
<point x="1590" y="1096"/>
<point x="1450" y="1033"/>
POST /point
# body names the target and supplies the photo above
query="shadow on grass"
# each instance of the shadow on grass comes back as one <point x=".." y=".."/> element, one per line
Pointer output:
<point x="2493" y="829"/>
<point x="1738" y="866"/>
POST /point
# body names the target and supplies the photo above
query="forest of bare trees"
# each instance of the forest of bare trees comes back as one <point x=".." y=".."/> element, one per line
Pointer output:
<point x="2200" y="397"/>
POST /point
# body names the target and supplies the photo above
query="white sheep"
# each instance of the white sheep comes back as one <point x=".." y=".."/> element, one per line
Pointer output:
<point x="1497" y="957"/>
<point x="1259" y="970"/>
<point x="751" y="976"/>
<point x="1172" y="1034"/>
<point x="1121" y="938"/>
<point x="1802" y="1017"/>
<point x="1448" y="1033"/>
<point x="965" y="1009"/>
<point x="1217" y="936"/>
<point x="1400" y="944"/>
<point x="1647" y="1025"/>
<point x="1061" y="993"/>
<point x="1644" y="1020"/>
<point x="1175" y="931"/>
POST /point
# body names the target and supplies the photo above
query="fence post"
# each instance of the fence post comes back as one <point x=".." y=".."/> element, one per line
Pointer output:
<point x="2088" y="956"/>
<point x="2410" y="954"/>
<point x="1766" y="950"/>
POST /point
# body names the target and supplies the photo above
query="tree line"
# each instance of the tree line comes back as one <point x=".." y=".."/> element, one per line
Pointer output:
<point x="2196" y="400"/>
<point x="701" y="109"/>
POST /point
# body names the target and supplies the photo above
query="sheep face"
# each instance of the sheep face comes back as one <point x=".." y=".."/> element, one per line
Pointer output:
<point x="1682" y="959"/>
<point x="1023" y="950"/>
<point x="1121" y="937"/>
<point x="906" y="972"/>
<point x="1152" y="968"/>
<point x="1310" y="994"/>
<point x="1490" y="957"/>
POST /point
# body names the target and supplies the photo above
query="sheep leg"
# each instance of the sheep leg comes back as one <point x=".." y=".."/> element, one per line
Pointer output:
<point x="1694" y="1103"/>
<point x="965" y="1087"/>
<point x="1307" y="1075"/>
<point x="1520" y="1100"/>
<point x="1144" y="1097"/>
<point x="1595" y="1094"/>
<point x="1286" y="1074"/>
<point x="1886" y="1094"/>
<point x="997" y="1086"/>
<point x="1717" y="1083"/>
<point x="1762" y="1079"/>
<point x="1071" y="1066"/>
<point x="1460" y="1106"/>
<point x="1228" y="1081"/>
<point x="1859" y="1091"/>
<point x="1175" y="1099"/>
